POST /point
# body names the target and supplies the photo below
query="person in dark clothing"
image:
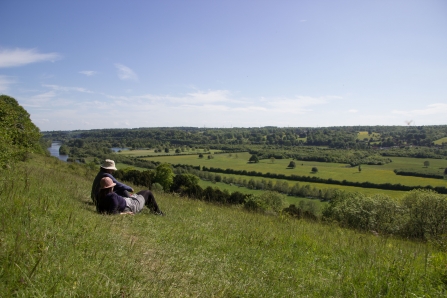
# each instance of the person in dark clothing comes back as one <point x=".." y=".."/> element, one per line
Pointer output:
<point x="106" y="170"/>
<point x="110" y="202"/>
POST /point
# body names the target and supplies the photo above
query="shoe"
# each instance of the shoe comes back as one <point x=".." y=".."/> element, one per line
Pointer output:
<point x="159" y="213"/>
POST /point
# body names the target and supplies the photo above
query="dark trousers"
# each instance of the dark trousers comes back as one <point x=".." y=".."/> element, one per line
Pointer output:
<point x="149" y="200"/>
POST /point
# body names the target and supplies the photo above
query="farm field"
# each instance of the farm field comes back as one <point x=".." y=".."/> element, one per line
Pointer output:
<point x="440" y="141"/>
<point x="322" y="186"/>
<point x="336" y="171"/>
<point x="364" y="135"/>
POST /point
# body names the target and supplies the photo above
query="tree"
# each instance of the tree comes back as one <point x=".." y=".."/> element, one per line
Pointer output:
<point x="178" y="151"/>
<point x="166" y="150"/>
<point x="63" y="150"/>
<point x="314" y="169"/>
<point x="254" y="159"/>
<point x="164" y="176"/>
<point x="18" y="134"/>
<point x="426" y="163"/>
<point x="272" y="159"/>
<point x="360" y="168"/>
<point x="200" y="155"/>
<point x="292" y="164"/>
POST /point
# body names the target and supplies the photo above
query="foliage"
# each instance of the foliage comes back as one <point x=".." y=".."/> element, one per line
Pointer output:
<point x="422" y="214"/>
<point x="141" y="178"/>
<point x="164" y="176"/>
<point x="254" y="159"/>
<point x="426" y="163"/>
<point x="301" y="212"/>
<point x="314" y="169"/>
<point x="426" y="214"/>
<point x="18" y="135"/>
<point x="421" y="172"/>
<point x="292" y="164"/>
<point x="267" y="201"/>
<point x="367" y="213"/>
<point x="64" y="150"/>
<point x="157" y="187"/>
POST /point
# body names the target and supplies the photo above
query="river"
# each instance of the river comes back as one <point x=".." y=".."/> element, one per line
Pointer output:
<point x="54" y="151"/>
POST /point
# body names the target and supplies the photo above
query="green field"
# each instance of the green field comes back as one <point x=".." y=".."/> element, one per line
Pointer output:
<point x="322" y="186"/>
<point x="336" y="171"/>
<point x="440" y="141"/>
<point x="362" y="135"/>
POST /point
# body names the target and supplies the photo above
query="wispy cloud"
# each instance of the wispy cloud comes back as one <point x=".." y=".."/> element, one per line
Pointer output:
<point x="125" y="73"/>
<point x="5" y="82"/>
<point x="432" y="109"/>
<point x="19" y="57"/>
<point x="88" y="73"/>
<point x="68" y="89"/>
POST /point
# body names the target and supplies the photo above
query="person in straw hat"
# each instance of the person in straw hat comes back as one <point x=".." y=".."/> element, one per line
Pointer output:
<point x="109" y="202"/>
<point x="106" y="170"/>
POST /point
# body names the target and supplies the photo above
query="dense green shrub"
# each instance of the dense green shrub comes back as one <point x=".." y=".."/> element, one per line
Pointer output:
<point x="377" y="213"/>
<point x="267" y="201"/>
<point x="426" y="214"/>
<point x="422" y="214"/>
<point x="18" y="134"/>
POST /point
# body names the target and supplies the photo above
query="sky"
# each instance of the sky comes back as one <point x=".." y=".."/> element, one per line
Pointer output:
<point x="224" y="63"/>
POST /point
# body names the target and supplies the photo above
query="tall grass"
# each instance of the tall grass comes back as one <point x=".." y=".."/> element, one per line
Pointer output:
<point x="54" y="244"/>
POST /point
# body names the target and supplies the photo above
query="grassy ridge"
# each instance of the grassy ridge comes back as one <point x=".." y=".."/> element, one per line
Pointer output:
<point x="54" y="244"/>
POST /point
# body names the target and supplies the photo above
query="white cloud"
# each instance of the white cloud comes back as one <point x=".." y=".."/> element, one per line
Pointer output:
<point x="432" y="109"/>
<point x="125" y="73"/>
<point x="4" y="83"/>
<point x="68" y="89"/>
<point x="298" y="104"/>
<point x="19" y="57"/>
<point x="88" y="73"/>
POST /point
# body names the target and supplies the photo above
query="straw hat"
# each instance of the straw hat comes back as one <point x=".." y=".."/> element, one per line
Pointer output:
<point x="108" y="164"/>
<point x="106" y="182"/>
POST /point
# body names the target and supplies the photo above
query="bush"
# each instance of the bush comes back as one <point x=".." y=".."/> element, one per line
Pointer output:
<point x="355" y="210"/>
<point x="267" y="201"/>
<point x="157" y="187"/>
<point x="314" y="169"/>
<point x="18" y="134"/>
<point x="427" y="214"/>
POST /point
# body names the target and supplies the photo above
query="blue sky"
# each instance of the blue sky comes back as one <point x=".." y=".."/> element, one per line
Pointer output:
<point x="125" y="64"/>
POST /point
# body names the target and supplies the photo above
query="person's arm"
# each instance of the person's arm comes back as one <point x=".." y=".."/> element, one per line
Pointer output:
<point x="119" y="186"/>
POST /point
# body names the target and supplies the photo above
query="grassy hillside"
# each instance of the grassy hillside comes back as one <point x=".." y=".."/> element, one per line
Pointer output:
<point x="52" y="243"/>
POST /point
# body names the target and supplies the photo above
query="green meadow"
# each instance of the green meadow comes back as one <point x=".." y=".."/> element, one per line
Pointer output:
<point x="440" y="141"/>
<point x="336" y="171"/>
<point x="54" y="244"/>
<point x="363" y="135"/>
<point x="368" y="191"/>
